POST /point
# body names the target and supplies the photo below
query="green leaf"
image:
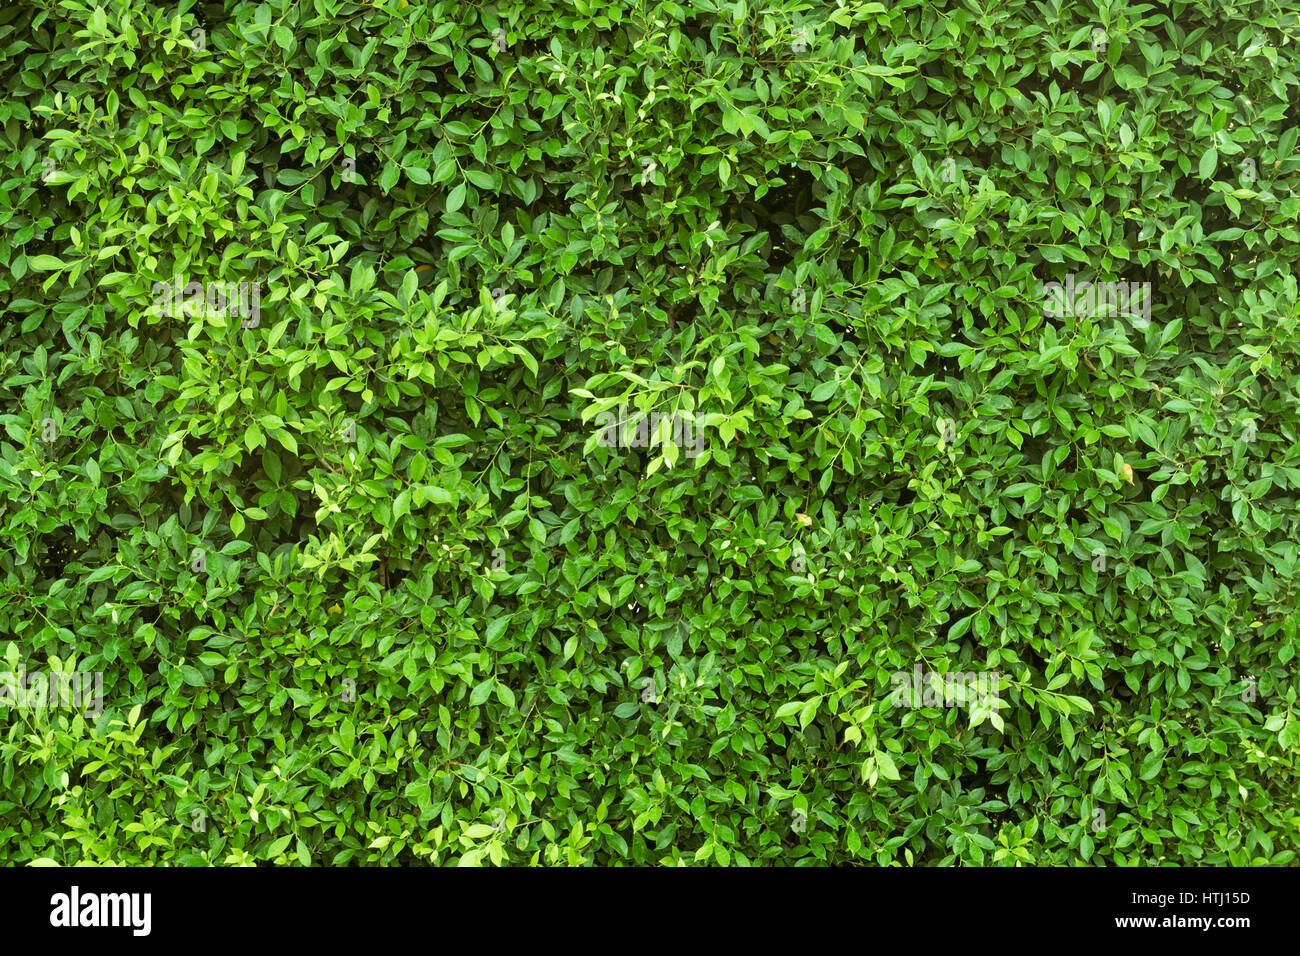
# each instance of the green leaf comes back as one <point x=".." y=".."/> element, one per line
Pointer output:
<point x="809" y="711"/>
<point x="885" y="764"/>
<point x="506" y="696"/>
<point x="456" y="198"/>
<point x="481" y="693"/>
<point x="1209" y="163"/>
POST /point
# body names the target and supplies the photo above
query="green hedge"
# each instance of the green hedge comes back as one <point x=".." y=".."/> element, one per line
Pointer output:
<point x="368" y="575"/>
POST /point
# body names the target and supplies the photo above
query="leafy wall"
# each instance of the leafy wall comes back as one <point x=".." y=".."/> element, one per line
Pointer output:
<point x="368" y="575"/>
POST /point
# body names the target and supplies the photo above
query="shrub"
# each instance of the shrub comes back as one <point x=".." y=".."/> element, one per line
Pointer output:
<point x="960" y="527"/>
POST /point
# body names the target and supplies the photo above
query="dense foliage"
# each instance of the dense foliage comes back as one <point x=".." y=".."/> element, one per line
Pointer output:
<point x="315" y="311"/>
